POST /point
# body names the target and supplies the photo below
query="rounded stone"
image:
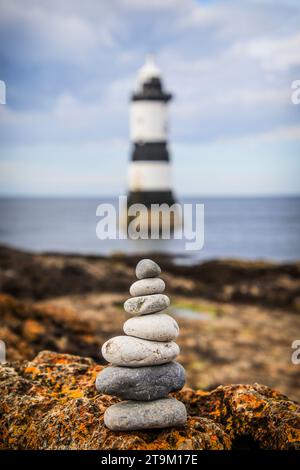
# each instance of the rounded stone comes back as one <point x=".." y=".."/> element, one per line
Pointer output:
<point x="133" y="415"/>
<point x="143" y="383"/>
<point x="152" y="285"/>
<point x="147" y="268"/>
<point x="135" y="352"/>
<point x="145" y="304"/>
<point x="154" y="327"/>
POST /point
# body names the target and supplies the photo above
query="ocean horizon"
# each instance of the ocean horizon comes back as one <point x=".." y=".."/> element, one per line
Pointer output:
<point x="247" y="227"/>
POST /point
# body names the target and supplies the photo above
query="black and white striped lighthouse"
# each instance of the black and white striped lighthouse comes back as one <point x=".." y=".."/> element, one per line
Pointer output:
<point x="149" y="169"/>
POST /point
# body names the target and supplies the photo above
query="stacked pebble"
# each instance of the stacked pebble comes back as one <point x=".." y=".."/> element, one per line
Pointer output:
<point x="143" y="369"/>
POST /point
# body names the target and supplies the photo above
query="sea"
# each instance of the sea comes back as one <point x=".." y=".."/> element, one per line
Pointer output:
<point x="254" y="228"/>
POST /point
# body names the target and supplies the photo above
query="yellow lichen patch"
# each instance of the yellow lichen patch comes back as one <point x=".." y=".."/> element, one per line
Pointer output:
<point x="72" y="393"/>
<point x="216" y="413"/>
<point x="294" y="435"/>
<point x="249" y="400"/>
<point x="31" y="370"/>
<point x="52" y="403"/>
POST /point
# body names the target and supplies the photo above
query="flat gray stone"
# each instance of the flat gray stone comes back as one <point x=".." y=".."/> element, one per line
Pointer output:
<point x="154" y="327"/>
<point x="146" y="304"/>
<point x="147" y="268"/>
<point x="133" y="415"/>
<point x="143" y="383"/>
<point x="135" y="352"/>
<point x="152" y="285"/>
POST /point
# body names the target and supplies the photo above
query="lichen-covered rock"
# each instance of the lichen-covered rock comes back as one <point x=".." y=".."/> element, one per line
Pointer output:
<point x="28" y="328"/>
<point x="78" y="301"/>
<point x="51" y="403"/>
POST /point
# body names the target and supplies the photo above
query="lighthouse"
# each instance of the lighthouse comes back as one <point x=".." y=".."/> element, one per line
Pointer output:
<point x="149" y="168"/>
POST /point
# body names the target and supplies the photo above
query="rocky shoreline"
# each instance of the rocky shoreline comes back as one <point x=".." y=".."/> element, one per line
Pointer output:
<point x="42" y="276"/>
<point x="237" y="319"/>
<point x="51" y="403"/>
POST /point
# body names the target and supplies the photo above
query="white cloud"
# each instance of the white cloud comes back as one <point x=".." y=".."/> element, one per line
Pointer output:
<point x="50" y="34"/>
<point x="155" y="4"/>
<point x="230" y="65"/>
<point x="275" y="53"/>
<point x="254" y="97"/>
<point x="277" y="135"/>
<point x="290" y="133"/>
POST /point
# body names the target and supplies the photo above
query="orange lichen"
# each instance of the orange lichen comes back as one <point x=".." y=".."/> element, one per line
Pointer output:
<point x="33" y="329"/>
<point x="31" y="370"/>
<point x="52" y="403"/>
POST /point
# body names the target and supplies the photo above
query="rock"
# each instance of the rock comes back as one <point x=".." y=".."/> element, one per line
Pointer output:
<point x="147" y="268"/>
<point x="154" y="327"/>
<point x="39" y="277"/>
<point x="143" y="383"/>
<point x="149" y="383"/>
<point x="55" y="399"/>
<point x="28" y="328"/>
<point x="146" y="304"/>
<point x="132" y="415"/>
<point x="152" y="285"/>
<point x="134" y="352"/>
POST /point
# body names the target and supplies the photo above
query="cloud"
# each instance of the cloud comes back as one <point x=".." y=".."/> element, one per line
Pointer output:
<point x="277" y="53"/>
<point x="70" y="67"/>
<point x="39" y="33"/>
<point x="282" y="134"/>
<point x="79" y="58"/>
<point x="290" y="133"/>
<point x="156" y="5"/>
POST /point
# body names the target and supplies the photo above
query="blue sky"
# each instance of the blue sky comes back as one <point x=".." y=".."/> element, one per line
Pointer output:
<point x="70" y="66"/>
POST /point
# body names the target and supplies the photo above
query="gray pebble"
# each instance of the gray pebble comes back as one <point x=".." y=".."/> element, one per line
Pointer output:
<point x="135" y="352"/>
<point x="147" y="268"/>
<point x="146" y="304"/>
<point x="143" y="383"/>
<point x="155" y="327"/>
<point x="133" y="415"/>
<point x="152" y="285"/>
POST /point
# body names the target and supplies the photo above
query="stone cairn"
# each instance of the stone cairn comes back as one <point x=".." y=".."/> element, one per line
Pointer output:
<point x="143" y="369"/>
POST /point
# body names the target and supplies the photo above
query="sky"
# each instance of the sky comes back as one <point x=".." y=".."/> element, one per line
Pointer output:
<point x="70" y="66"/>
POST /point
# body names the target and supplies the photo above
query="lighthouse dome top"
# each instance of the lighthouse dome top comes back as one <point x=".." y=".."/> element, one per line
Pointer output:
<point x="148" y="71"/>
<point x="149" y="84"/>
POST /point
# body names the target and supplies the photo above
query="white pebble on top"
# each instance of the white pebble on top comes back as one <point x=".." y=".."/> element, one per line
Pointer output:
<point x="147" y="268"/>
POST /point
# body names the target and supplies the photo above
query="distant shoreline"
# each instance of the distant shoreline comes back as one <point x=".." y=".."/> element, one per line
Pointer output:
<point x="182" y="260"/>
<point x="182" y="197"/>
<point x="36" y="276"/>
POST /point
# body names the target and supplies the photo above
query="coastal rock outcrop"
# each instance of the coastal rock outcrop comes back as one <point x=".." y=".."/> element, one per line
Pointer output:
<point x="51" y="403"/>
